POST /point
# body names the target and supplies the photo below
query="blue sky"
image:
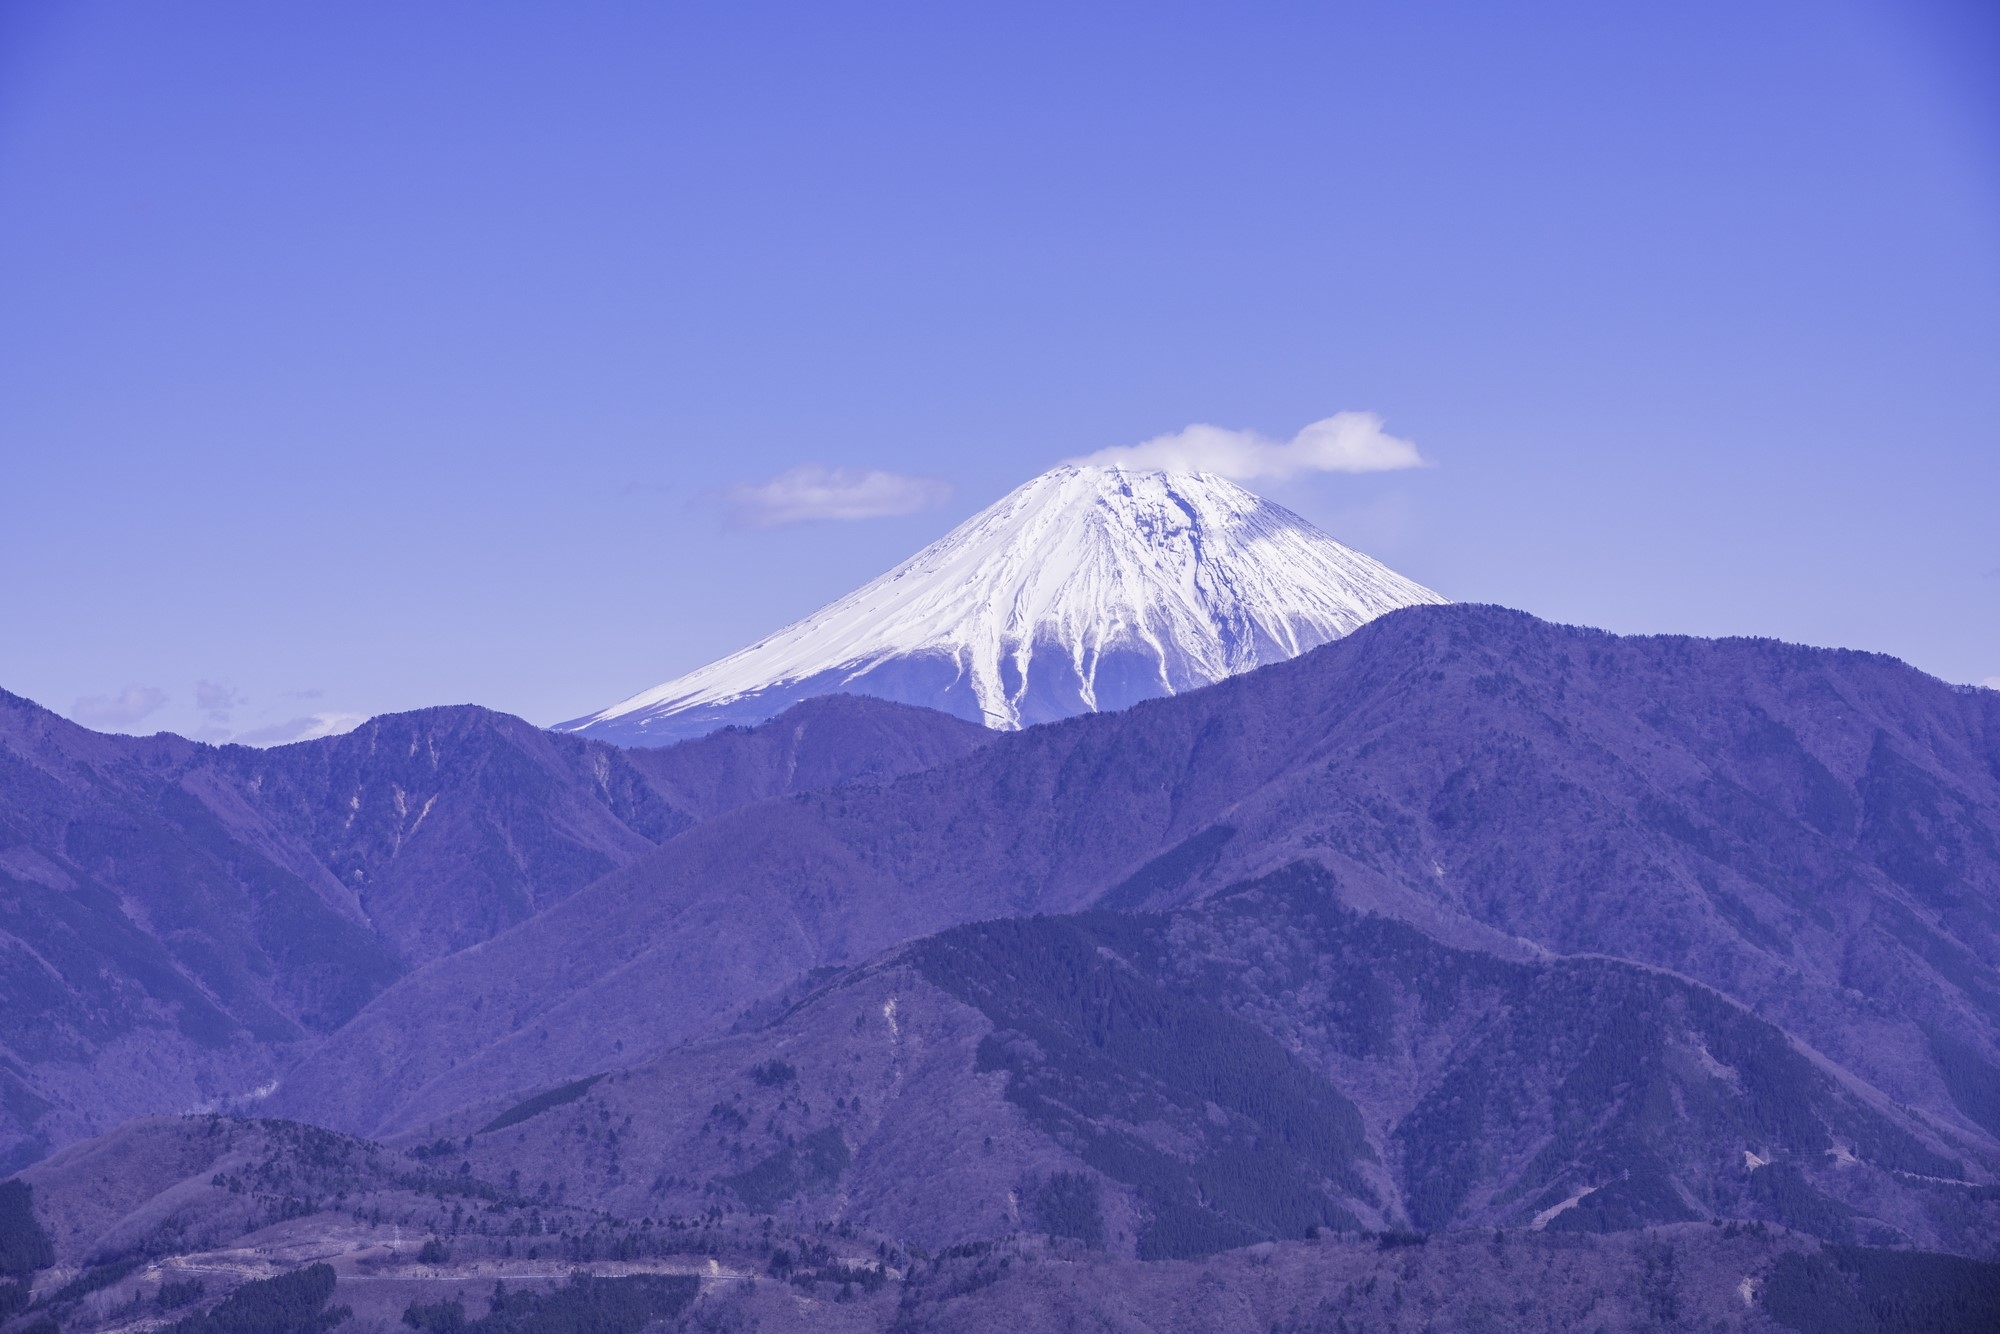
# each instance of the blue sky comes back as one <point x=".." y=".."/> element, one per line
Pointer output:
<point x="360" y="357"/>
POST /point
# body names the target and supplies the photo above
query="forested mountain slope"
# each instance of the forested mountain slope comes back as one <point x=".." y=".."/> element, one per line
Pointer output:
<point x="1464" y="922"/>
<point x="1250" y="1068"/>
<point x="1810" y="832"/>
<point x="174" y="916"/>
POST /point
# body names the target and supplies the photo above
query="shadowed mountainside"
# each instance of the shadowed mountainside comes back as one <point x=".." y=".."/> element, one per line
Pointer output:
<point x="174" y="915"/>
<point x="1809" y="832"/>
<point x="453" y="824"/>
<point x="1262" y="1073"/>
<point x="1465" y="922"/>
<point x="1249" y="1068"/>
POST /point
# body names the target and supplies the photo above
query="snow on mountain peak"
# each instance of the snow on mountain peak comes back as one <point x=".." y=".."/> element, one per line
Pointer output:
<point x="1090" y="587"/>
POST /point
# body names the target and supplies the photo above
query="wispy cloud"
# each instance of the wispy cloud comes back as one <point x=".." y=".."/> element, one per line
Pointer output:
<point x="1345" y="442"/>
<point x="212" y="698"/>
<point x="304" y="728"/>
<point x="810" y="491"/>
<point x="1991" y="683"/>
<point x="120" y="710"/>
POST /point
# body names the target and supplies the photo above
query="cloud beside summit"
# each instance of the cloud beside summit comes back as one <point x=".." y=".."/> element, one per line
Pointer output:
<point x="1344" y="442"/>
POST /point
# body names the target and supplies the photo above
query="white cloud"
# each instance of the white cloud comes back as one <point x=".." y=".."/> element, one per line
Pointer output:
<point x="1344" y="442"/>
<point x="306" y="728"/>
<point x="1991" y="683"/>
<point x="811" y="492"/>
<point x="120" y="710"/>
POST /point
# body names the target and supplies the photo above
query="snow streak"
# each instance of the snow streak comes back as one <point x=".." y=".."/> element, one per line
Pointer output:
<point x="1090" y="587"/>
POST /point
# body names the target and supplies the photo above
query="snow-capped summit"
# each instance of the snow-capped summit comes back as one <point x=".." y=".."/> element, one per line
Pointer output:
<point x="1088" y="588"/>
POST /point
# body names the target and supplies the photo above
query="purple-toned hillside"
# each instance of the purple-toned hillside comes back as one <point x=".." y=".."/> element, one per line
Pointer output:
<point x="178" y="919"/>
<point x="1465" y="921"/>
<point x="1809" y="832"/>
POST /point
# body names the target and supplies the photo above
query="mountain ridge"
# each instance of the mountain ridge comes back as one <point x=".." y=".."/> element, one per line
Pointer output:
<point x="1467" y="932"/>
<point x="176" y="918"/>
<point x="1502" y="782"/>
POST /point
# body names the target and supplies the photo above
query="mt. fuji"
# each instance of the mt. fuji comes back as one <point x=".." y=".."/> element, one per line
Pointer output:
<point x="1088" y="588"/>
